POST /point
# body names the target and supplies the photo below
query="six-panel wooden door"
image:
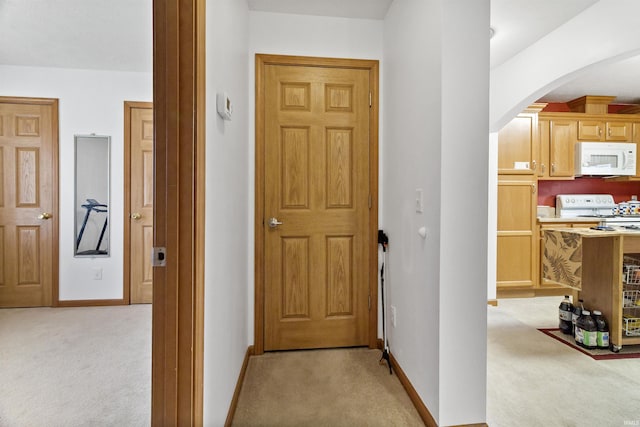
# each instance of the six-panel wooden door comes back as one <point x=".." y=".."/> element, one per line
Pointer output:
<point x="140" y="194"/>
<point x="317" y="186"/>
<point x="28" y="201"/>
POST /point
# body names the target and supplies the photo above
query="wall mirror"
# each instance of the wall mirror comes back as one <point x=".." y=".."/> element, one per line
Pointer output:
<point x="92" y="196"/>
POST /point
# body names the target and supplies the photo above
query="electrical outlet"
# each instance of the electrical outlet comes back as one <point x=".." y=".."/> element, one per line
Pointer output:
<point x="393" y="316"/>
<point x="97" y="273"/>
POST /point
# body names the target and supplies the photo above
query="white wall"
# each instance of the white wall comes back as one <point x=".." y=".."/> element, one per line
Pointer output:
<point x="463" y="260"/>
<point x="607" y="31"/>
<point x="288" y="34"/>
<point x="438" y="285"/>
<point x="411" y="160"/>
<point x="89" y="102"/>
<point x="227" y="207"/>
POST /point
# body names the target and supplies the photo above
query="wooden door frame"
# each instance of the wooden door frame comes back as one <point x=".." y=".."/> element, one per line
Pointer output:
<point x="179" y="131"/>
<point x="55" y="165"/>
<point x="126" y="279"/>
<point x="373" y="67"/>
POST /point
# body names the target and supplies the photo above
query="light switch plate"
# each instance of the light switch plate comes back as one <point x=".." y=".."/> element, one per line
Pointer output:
<point x="419" y="201"/>
<point x="224" y="106"/>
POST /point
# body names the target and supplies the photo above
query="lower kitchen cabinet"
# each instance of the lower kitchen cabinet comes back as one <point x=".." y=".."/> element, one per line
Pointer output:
<point x="517" y="239"/>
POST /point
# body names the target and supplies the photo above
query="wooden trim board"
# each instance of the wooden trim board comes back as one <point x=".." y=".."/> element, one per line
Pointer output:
<point x="91" y="302"/>
<point x="179" y="118"/>
<point x="424" y="413"/>
<point x="238" y="389"/>
<point x="426" y="416"/>
<point x="493" y="302"/>
<point x="199" y="231"/>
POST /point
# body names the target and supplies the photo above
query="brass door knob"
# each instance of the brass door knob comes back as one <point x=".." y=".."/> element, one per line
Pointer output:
<point x="136" y="216"/>
<point x="45" y="215"/>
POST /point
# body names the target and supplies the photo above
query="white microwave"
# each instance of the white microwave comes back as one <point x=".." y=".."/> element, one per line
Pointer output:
<point x="605" y="158"/>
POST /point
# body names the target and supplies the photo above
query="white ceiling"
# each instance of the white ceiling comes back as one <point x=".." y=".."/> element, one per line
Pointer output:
<point x="116" y="35"/>
<point x="94" y="34"/>
<point x="366" y="9"/>
<point x="520" y="23"/>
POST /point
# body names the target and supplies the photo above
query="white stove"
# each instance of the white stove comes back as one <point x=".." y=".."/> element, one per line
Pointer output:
<point x="600" y="206"/>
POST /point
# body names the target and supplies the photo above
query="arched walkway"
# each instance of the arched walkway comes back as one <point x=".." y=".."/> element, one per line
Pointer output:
<point x="605" y="33"/>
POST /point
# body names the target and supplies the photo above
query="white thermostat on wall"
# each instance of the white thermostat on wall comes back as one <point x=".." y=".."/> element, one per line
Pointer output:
<point x="224" y="106"/>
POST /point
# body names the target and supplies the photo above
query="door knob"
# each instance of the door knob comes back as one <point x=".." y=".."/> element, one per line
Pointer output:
<point x="45" y="215"/>
<point x="273" y="222"/>
<point x="136" y="216"/>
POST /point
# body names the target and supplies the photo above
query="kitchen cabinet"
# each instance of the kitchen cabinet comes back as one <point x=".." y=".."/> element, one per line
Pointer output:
<point x="562" y="139"/>
<point x="557" y="141"/>
<point x="592" y="262"/>
<point x="600" y="130"/>
<point x="539" y="145"/>
<point x="518" y="143"/>
<point x="542" y="172"/>
<point x="517" y="239"/>
<point x="635" y="137"/>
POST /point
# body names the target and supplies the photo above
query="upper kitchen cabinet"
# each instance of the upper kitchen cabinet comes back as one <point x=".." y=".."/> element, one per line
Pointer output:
<point x="562" y="139"/>
<point x="597" y="130"/>
<point x="557" y="140"/>
<point x="519" y="143"/>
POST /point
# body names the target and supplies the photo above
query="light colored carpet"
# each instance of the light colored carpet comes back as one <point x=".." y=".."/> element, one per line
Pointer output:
<point x="88" y="366"/>
<point x="91" y="367"/>
<point x="336" y="387"/>
<point x="534" y="380"/>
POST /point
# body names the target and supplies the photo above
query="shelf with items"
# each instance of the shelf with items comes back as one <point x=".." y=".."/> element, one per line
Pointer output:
<point x="631" y="296"/>
<point x="631" y="311"/>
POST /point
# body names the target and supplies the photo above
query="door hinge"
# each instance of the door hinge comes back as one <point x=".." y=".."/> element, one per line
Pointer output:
<point x="158" y="257"/>
<point x="370" y="202"/>
<point x="370" y="98"/>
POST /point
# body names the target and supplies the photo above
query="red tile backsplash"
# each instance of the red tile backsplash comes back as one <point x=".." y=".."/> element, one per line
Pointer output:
<point x="621" y="191"/>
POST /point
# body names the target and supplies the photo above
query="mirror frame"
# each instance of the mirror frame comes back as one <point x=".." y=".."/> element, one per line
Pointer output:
<point x="98" y="207"/>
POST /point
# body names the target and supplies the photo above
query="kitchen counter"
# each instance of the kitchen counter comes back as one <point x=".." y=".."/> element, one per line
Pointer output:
<point x="592" y="262"/>
<point x="589" y="232"/>
<point x="552" y="220"/>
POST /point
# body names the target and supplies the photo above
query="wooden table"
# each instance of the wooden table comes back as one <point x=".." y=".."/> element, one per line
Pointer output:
<point x="591" y="262"/>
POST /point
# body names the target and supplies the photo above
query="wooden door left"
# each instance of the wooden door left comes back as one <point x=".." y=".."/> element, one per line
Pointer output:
<point x="28" y="202"/>
<point x="139" y="203"/>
